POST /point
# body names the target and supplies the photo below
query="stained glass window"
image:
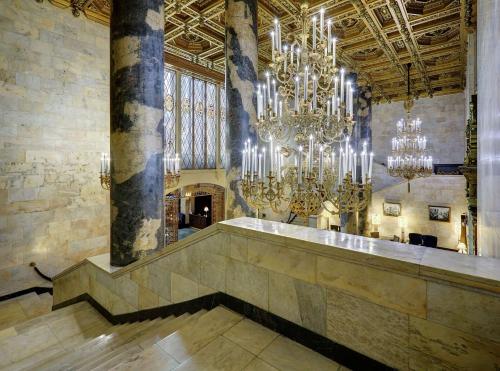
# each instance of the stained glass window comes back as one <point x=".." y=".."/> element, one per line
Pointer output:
<point x="223" y="130"/>
<point x="198" y="113"/>
<point x="187" y="122"/>
<point x="169" y="117"/>
<point x="199" y="129"/>
<point x="211" y="125"/>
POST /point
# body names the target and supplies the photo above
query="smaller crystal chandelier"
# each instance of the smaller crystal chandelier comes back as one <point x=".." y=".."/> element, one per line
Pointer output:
<point x="171" y="167"/>
<point x="409" y="157"/>
<point x="105" y="175"/>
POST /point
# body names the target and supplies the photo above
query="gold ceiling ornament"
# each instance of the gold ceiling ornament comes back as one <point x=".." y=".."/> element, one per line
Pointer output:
<point x="394" y="27"/>
<point x="409" y="158"/>
<point x="304" y="92"/>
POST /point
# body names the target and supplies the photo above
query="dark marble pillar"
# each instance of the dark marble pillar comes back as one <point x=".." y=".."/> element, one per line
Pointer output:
<point x="241" y="80"/>
<point x="137" y="219"/>
<point x="363" y="132"/>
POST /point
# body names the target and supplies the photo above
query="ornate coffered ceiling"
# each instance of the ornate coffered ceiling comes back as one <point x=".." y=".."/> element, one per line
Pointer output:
<point x="377" y="38"/>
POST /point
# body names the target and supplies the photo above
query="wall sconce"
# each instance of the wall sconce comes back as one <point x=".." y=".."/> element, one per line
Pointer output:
<point x="375" y="223"/>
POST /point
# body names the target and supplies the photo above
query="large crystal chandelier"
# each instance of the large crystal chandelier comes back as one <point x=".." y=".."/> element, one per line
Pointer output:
<point x="320" y="177"/>
<point x="409" y="159"/>
<point x="304" y="93"/>
<point x="171" y="167"/>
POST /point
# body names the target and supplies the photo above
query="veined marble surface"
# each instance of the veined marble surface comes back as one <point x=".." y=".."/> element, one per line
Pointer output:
<point x="394" y="255"/>
<point x="469" y="270"/>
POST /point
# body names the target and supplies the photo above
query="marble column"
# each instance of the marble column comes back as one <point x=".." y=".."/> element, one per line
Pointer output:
<point x="137" y="218"/>
<point x="363" y="132"/>
<point x="241" y="80"/>
<point x="488" y="113"/>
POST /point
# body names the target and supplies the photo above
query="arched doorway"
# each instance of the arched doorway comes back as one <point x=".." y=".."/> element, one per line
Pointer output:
<point x="183" y="211"/>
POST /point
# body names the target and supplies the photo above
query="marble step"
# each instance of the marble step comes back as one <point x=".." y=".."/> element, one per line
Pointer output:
<point x="50" y="356"/>
<point x="59" y="349"/>
<point x="22" y="308"/>
<point x="46" y="331"/>
<point x="93" y="348"/>
<point x="85" y="364"/>
<point x="183" y="343"/>
<point x="133" y="350"/>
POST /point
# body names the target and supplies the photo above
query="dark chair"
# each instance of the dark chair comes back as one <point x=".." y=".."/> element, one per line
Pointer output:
<point x="429" y="241"/>
<point x="415" y="239"/>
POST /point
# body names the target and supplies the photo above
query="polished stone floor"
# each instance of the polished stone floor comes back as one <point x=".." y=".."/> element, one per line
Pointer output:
<point x="78" y="337"/>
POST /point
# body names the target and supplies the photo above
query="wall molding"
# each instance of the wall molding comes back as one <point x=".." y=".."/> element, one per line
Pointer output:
<point x="318" y="343"/>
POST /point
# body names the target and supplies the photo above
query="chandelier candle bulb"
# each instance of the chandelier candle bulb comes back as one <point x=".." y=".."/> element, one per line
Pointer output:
<point x="314" y="32"/>
<point x="320" y="175"/>
<point x="264" y="162"/>
<point x="314" y="92"/>
<point x="342" y="72"/>
<point x="329" y="35"/>
<point x="298" y="58"/>
<point x="321" y="22"/>
<point x="338" y="108"/>
<point x="334" y="54"/>
<point x="271" y="151"/>
<point x="259" y="172"/>
<point x="354" y="166"/>
<point x="243" y="163"/>
<point x="311" y="154"/>
<point x="299" y="169"/>
<point x="272" y="45"/>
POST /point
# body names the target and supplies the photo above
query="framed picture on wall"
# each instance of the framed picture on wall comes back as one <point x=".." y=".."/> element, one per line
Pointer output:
<point x="392" y="209"/>
<point x="439" y="213"/>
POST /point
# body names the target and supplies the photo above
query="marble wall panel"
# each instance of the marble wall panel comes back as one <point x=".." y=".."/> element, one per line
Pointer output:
<point x="183" y="288"/>
<point x="213" y="270"/>
<point x="454" y="346"/>
<point x="238" y="246"/>
<point x="470" y="311"/>
<point x="248" y="282"/>
<point x="368" y="328"/>
<point x="185" y="262"/>
<point x="403" y="293"/>
<point x="297" y="301"/>
<point x="54" y="124"/>
<point x="282" y="259"/>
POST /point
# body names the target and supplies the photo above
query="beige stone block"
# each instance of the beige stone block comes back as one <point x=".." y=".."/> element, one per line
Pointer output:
<point x="375" y="331"/>
<point x="185" y="262"/>
<point x="147" y="299"/>
<point x="298" y="301"/>
<point x="402" y="293"/>
<point x="213" y="270"/>
<point x="248" y="283"/>
<point x="183" y="288"/>
<point x="217" y="244"/>
<point x="453" y="346"/>
<point x="238" y="247"/>
<point x="453" y="307"/>
<point x="204" y="290"/>
<point x="281" y="259"/>
<point x="420" y="361"/>
<point x="128" y="290"/>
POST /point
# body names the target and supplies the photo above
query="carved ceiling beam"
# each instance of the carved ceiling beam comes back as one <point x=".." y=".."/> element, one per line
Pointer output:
<point x="372" y="23"/>
<point x="400" y="16"/>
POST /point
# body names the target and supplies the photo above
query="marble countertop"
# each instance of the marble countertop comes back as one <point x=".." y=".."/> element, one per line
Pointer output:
<point x="475" y="271"/>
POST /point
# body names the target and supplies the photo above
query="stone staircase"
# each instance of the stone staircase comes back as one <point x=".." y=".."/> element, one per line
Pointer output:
<point x="77" y="337"/>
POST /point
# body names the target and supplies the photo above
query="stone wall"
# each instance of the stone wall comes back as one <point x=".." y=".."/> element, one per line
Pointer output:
<point x="408" y="307"/>
<point x="438" y="190"/>
<point x="54" y="123"/>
